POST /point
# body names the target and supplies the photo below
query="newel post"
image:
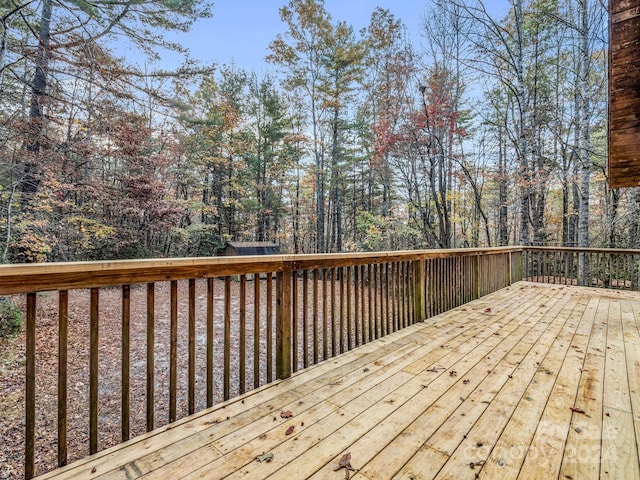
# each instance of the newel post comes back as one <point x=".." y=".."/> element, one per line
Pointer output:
<point x="283" y="323"/>
<point x="419" y="311"/>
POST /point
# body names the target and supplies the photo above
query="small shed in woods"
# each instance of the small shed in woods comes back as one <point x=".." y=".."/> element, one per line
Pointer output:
<point x="624" y="93"/>
<point x="250" y="248"/>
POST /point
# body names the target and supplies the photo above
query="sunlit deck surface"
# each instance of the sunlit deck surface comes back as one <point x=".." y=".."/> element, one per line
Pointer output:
<point x="534" y="381"/>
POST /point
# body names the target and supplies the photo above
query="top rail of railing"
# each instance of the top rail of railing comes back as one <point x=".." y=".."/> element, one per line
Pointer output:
<point x="27" y="278"/>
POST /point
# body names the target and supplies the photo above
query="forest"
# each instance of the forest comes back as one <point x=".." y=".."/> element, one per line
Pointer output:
<point x="488" y="131"/>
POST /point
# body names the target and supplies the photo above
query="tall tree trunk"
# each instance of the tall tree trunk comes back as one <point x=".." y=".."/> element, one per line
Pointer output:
<point x="296" y="214"/>
<point x="523" y="124"/>
<point x="503" y="219"/>
<point x="335" y="183"/>
<point x="32" y="165"/>
<point x="565" y="202"/>
<point x="584" y="140"/>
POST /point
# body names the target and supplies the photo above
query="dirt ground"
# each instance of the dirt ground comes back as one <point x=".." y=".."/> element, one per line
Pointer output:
<point x="12" y="367"/>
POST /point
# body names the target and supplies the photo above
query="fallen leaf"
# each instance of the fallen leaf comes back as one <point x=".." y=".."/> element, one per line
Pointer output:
<point x="267" y="457"/>
<point x="286" y="414"/>
<point x="365" y="370"/>
<point x="487" y="310"/>
<point x="577" y="410"/>
<point x="466" y="382"/>
<point x="453" y="373"/>
<point x="377" y="363"/>
<point x="290" y="430"/>
<point x="345" y="462"/>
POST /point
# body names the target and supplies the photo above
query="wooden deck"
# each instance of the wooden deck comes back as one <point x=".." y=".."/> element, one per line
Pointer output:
<point x="534" y="381"/>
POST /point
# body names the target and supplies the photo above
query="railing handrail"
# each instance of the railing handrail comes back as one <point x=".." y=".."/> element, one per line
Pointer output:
<point x="624" y="251"/>
<point x="30" y="278"/>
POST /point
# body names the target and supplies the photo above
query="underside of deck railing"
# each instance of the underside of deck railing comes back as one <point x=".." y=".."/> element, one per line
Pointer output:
<point x="217" y="327"/>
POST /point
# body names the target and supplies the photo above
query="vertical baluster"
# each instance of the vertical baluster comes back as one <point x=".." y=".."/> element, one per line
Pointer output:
<point x="316" y="339"/>
<point x="437" y="279"/>
<point x="269" y="333"/>
<point x="383" y="316"/>
<point x="381" y="293"/>
<point x="349" y="307"/>
<point x="361" y="289"/>
<point x="627" y="275"/>
<point x="376" y="296"/>
<point x="407" y="295"/>
<point x="173" y="351"/>
<point x="325" y="318"/>
<point x="389" y="281"/>
<point x="150" y="354"/>
<point x="210" y="316"/>
<point x="358" y="325"/>
<point x="394" y="295"/>
<point x="125" y="407"/>
<point x="370" y="313"/>
<point x="30" y="389"/>
<point x="192" y="346"/>
<point x="63" y="310"/>
<point x="305" y="318"/>
<point x="256" y="330"/>
<point x="427" y="289"/>
<point x="242" y="347"/>
<point x="448" y="282"/>
<point x="344" y="325"/>
<point x="227" y="339"/>
<point x="294" y="320"/>
<point x="334" y="338"/>
<point x="93" y="371"/>
<point x="401" y="294"/>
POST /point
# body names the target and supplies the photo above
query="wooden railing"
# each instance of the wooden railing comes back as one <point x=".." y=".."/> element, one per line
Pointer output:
<point x="189" y="333"/>
<point x="602" y="268"/>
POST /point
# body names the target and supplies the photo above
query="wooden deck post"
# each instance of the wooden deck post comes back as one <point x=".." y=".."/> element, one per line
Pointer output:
<point x="283" y="323"/>
<point x="418" y="291"/>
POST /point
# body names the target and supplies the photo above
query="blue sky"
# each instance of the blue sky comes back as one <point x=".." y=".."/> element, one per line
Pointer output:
<point x="241" y="30"/>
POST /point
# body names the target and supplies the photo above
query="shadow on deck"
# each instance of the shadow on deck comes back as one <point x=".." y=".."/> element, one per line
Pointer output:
<point x="533" y="381"/>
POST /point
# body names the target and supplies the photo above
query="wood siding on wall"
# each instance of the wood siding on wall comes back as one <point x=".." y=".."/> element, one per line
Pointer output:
<point x="624" y="94"/>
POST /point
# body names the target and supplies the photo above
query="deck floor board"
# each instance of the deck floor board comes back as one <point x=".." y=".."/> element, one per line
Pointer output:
<point x="532" y="381"/>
